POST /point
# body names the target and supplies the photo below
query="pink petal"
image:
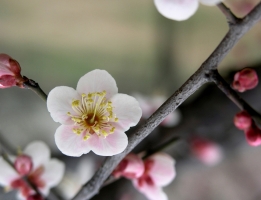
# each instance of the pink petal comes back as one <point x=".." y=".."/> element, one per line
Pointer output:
<point x="210" y="2"/>
<point x="69" y="143"/>
<point x="5" y="65"/>
<point x="8" y="174"/>
<point x="59" y="104"/>
<point x="177" y="9"/>
<point x="127" y="110"/>
<point x="152" y="192"/>
<point x="39" y="152"/>
<point x="130" y="167"/>
<point x="162" y="170"/>
<point x="111" y="145"/>
<point x="53" y="172"/>
<point x="97" y="81"/>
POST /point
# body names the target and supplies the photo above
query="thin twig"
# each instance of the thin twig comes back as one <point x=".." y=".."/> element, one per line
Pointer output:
<point x="231" y="18"/>
<point x="31" y="84"/>
<point x="161" y="147"/>
<point x="233" y="96"/>
<point x="236" y="31"/>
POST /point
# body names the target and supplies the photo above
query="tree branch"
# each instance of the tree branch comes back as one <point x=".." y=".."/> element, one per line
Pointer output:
<point x="236" y="31"/>
<point x="231" y="18"/>
<point x="233" y="96"/>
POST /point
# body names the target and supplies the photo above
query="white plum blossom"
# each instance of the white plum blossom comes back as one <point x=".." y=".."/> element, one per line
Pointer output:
<point x="45" y="173"/>
<point x="181" y="9"/>
<point x="93" y="117"/>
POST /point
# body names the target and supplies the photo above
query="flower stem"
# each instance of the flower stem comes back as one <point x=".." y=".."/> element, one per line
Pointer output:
<point x="231" y="18"/>
<point x="31" y="84"/>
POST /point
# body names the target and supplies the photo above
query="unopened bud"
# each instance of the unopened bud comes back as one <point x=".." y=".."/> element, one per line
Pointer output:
<point x="206" y="151"/>
<point x="35" y="197"/>
<point x="245" y="79"/>
<point x="242" y="120"/>
<point x="10" y="72"/>
<point x="253" y="135"/>
<point x="23" y="164"/>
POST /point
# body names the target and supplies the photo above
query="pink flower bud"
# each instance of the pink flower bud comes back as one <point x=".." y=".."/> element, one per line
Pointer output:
<point x="23" y="164"/>
<point x="242" y="120"/>
<point x="35" y="197"/>
<point x="130" y="167"/>
<point x="10" y="72"/>
<point x="206" y="151"/>
<point x="245" y="79"/>
<point x="253" y="136"/>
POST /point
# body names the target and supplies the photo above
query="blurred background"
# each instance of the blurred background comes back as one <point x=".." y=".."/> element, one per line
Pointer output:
<point x="57" y="42"/>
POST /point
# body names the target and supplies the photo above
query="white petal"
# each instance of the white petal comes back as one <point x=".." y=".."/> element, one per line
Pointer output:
<point x="97" y="81"/>
<point x="53" y="172"/>
<point x="163" y="170"/>
<point x="111" y="145"/>
<point x="69" y="143"/>
<point x="210" y="2"/>
<point x="127" y="110"/>
<point x="152" y="192"/>
<point x="59" y="103"/>
<point x="7" y="173"/>
<point x="39" y="152"/>
<point x="177" y="9"/>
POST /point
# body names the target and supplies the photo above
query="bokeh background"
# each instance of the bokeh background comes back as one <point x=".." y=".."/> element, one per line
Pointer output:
<point x="57" y="42"/>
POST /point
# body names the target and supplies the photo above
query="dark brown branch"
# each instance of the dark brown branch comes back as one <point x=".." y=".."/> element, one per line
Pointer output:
<point x="31" y="84"/>
<point x="231" y="18"/>
<point x="236" y="31"/>
<point x="233" y="96"/>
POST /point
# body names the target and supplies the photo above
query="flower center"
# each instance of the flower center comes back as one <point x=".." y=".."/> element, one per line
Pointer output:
<point x="94" y="115"/>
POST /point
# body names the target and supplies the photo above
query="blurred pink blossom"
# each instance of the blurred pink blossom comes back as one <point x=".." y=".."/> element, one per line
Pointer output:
<point x="93" y="117"/>
<point x="149" y="104"/>
<point x="206" y="151"/>
<point x="130" y="167"/>
<point x="45" y="172"/>
<point x="10" y="72"/>
<point x="181" y="9"/>
<point x="159" y="172"/>
<point x="245" y="79"/>
<point x="242" y="120"/>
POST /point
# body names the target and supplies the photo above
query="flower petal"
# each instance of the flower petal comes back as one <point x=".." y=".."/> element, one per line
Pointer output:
<point x="210" y="2"/>
<point x="8" y="174"/>
<point x="111" y="145"/>
<point x="177" y="9"/>
<point x="59" y="103"/>
<point x="97" y="81"/>
<point x="39" y="152"/>
<point x="152" y="192"/>
<point x="162" y="171"/>
<point x="69" y="143"/>
<point x="53" y="172"/>
<point x="127" y="110"/>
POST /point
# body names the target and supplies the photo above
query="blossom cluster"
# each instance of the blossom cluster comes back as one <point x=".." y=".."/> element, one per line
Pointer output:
<point x="150" y="175"/>
<point x="35" y="165"/>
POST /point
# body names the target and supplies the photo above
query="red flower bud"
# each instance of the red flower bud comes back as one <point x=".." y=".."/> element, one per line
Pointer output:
<point x="23" y="164"/>
<point x="253" y="135"/>
<point x="35" y="197"/>
<point x="245" y="79"/>
<point x="10" y="72"/>
<point x="242" y="120"/>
